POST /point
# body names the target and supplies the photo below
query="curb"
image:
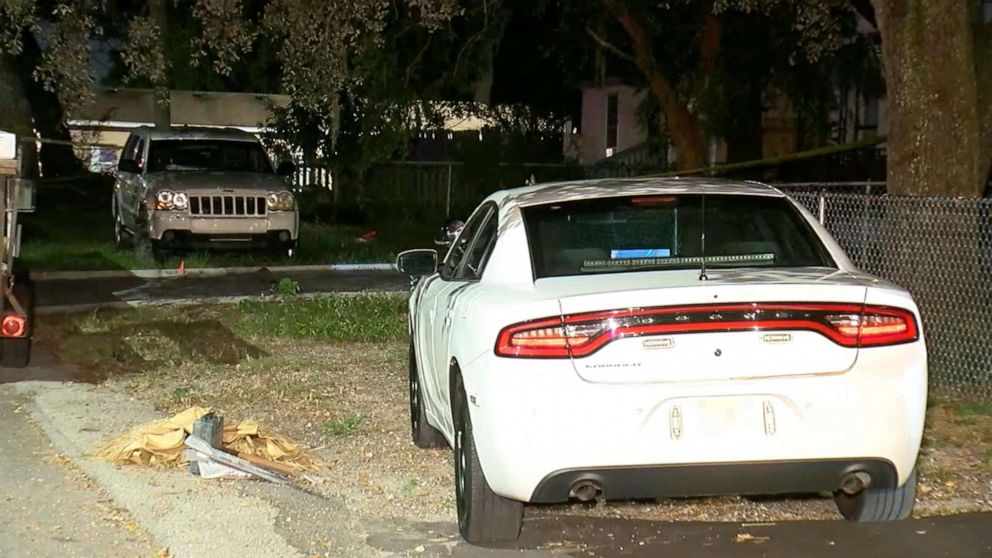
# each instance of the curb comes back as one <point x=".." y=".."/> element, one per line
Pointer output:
<point x="62" y="414"/>
<point x="200" y="271"/>
<point x="184" y="302"/>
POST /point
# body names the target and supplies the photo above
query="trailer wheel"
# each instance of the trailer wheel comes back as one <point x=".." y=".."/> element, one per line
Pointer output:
<point x="16" y="353"/>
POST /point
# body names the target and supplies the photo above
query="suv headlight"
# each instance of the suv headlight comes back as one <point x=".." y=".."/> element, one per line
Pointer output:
<point x="281" y="201"/>
<point x="167" y="200"/>
<point x="180" y="200"/>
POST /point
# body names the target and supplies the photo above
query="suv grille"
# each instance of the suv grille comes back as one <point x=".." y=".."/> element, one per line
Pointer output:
<point x="227" y="205"/>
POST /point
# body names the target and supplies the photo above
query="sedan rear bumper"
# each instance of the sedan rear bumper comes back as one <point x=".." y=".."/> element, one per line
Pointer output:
<point x="713" y="479"/>
<point x="539" y="427"/>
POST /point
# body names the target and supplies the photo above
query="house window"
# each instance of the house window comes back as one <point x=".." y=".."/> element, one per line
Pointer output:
<point x="612" y="107"/>
<point x="987" y="11"/>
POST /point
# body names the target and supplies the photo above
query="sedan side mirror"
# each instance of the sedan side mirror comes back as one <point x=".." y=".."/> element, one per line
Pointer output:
<point x="129" y="165"/>
<point x="417" y="263"/>
<point x="449" y="232"/>
<point x="286" y="168"/>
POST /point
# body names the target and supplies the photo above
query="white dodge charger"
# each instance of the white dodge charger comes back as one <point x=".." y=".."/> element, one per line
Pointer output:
<point x="651" y="338"/>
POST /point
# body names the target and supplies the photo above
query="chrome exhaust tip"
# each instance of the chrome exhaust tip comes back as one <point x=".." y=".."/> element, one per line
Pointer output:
<point x="855" y="482"/>
<point x="585" y="490"/>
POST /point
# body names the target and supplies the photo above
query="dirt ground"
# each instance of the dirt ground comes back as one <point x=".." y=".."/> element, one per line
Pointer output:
<point x="348" y="401"/>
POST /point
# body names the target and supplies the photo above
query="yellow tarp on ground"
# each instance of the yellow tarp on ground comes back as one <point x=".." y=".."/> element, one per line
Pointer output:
<point x="160" y="443"/>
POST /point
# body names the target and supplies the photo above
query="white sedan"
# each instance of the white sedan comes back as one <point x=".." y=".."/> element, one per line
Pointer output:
<point x="651" y="338"/>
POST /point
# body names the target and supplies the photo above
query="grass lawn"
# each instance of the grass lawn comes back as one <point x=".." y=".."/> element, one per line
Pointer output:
<point x="331" y="373"/>
<point x="69" y="233"/>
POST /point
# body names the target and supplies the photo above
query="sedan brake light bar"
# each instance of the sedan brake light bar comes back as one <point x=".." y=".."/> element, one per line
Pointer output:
<point x="580" y="335"/>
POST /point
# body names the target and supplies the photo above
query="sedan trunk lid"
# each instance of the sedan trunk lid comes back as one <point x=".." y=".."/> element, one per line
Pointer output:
<point x="667" y="326"/>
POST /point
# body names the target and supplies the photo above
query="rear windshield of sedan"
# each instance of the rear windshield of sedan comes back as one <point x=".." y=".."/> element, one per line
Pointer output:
<point x="207" y="155"/>
<point x="639" y="233"/>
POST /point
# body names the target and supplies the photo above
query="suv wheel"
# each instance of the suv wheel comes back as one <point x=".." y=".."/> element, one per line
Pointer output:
<point x="120" y="232"/>
<point x="878" y="504"/>
<point x="483" y="515"/>
<point x="424" y="435"/>
<point x="146" y="249"/>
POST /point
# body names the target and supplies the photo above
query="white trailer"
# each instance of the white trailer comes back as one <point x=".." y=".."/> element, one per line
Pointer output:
<point x="16" y="292"/>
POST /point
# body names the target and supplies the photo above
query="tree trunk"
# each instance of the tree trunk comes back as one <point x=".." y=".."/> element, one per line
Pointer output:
<point x="15" y="112"/>
<point x="982" y="40"/>
<point x="483" y="85"/>
<point x="936" y="148"/>
<point x="46" y="110"/>
<point x="162" y="109"/>
<point x="935" y="145"/>
<point x="745" y="138"/>
<point x="683" y="127"/>
<point x="496" y="19"/>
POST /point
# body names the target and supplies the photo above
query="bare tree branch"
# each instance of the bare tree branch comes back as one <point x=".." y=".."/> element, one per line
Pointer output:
<point x="603" y="43"/>
<point x="416" y="60"/>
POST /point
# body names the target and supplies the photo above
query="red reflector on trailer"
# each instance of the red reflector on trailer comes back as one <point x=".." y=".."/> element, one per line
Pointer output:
<point x="12" y="326"/>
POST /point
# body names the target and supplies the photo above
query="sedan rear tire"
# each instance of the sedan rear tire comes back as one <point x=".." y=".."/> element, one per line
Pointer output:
<point x="424" y="435"/>
<point x="879" y="504"/>
<point x="483" y="515"/>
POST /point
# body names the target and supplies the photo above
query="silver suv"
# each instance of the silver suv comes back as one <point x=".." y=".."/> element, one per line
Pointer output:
<point x="202" y="187"/>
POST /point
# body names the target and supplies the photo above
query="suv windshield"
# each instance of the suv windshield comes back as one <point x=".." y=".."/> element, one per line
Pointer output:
<point x="207" y="155"/>
<point x="639" y="233"/>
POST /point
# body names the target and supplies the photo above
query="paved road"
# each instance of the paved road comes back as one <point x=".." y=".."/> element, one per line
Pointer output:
<point x="47" y="508"/>
<point x="83" y="293"/>
<point x="968" y="535"/>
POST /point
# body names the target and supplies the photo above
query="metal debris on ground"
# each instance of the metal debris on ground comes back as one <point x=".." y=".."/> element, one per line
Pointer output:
<point x="161" y="444"/>
<point x="209" y="455"/>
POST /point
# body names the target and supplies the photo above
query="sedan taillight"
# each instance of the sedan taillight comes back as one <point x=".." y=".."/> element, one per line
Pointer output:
<point x="876" y="326"/>
<point x="580" y="335"/>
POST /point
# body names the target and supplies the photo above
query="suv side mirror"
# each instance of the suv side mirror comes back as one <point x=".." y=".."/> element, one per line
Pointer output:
<point x="286" y="168"/>
<point x="449" y="232"/>
<point x="129" y="165"/>
<point x="417" y="263"/>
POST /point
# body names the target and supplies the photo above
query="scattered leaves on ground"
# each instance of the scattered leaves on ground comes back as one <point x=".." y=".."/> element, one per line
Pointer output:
<point x="331" y="373"/>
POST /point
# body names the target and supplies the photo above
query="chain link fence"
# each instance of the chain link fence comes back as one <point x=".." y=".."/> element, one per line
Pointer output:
<point x="940" y="249"/>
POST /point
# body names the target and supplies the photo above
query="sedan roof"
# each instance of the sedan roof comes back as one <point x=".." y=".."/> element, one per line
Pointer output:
<point x="608" y="187"/>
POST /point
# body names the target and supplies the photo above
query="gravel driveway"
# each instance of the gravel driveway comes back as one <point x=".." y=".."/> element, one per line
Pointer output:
<point x="348" y="400"/>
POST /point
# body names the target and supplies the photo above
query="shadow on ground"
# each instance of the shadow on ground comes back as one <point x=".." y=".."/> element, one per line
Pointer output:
<point x="965" y="535"/>
<point x="134" y="348"/>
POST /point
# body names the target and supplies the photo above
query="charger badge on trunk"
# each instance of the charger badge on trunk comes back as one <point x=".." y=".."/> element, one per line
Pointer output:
<point x="776" y="338"/>
<point x="658" y="343"/>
